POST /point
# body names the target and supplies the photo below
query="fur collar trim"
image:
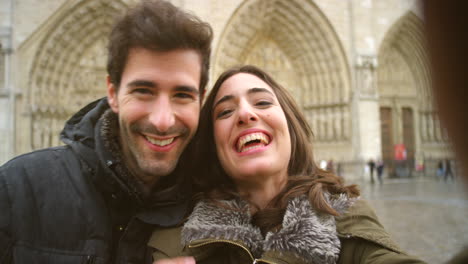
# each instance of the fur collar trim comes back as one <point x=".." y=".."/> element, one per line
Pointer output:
<point x="309" y="235"/>
<point x="110" y="133"/>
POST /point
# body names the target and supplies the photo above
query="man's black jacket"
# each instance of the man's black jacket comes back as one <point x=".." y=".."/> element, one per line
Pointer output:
<point x="67" y="204"/>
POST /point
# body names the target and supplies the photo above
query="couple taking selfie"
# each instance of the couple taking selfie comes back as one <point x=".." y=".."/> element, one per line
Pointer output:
<point x="150" y="174"/>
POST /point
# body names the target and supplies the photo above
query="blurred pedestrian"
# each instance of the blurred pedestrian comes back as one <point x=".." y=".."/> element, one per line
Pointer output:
<point x="440" y="170"/>
<point x="371" y="165"/>
<point x="448" y="170"/>
<point x="380" y="168"/>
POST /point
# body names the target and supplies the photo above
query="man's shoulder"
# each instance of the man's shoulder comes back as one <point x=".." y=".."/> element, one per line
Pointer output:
<point x="37" y="155"/>
<point x="37" y="160"/>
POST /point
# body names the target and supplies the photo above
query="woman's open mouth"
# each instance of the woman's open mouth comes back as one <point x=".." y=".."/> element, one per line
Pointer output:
<point x="252" y="141"/>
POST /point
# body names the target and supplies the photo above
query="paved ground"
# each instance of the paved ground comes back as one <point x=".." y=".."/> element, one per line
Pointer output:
<point x="426" y="217"/>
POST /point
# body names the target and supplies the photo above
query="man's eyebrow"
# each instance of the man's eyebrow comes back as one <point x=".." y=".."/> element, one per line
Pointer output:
<point x="143" y="83"/>
<point x="187" y="89"/>
<point x="150" y="84"/>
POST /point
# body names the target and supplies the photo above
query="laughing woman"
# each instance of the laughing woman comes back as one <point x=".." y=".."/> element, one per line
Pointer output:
<point x="261" y="197"/>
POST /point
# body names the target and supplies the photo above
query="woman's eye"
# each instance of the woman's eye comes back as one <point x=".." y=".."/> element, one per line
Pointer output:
<point x="223" y="113"/>
<point x="263" y="103"/>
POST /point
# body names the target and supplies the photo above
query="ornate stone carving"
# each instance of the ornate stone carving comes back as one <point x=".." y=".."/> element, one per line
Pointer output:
<point x="267" y="55"/>
<point x="329" y="123"/>
<point x="366" y="65"/>
<point x="69" y="68"/>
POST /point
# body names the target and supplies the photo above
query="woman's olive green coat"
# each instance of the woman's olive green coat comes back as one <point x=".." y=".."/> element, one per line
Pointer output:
<point x="363" y="240"/>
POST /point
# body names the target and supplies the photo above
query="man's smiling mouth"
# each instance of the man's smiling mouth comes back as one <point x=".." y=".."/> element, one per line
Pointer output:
<point x="160" y="142"/>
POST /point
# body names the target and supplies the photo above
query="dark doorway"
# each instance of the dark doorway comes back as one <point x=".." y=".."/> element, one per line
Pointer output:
<point x="386" y="130"/>
<point x="408" y="136"/>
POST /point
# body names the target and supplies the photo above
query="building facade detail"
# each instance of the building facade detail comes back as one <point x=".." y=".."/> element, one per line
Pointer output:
<point x="362" y="91"/>
<point x="69" y="68"/>
<point x="366" y="66"/>
<point x="404" y="93"/>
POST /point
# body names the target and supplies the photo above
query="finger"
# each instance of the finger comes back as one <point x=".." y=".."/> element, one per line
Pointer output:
<point x="179" y="260"/>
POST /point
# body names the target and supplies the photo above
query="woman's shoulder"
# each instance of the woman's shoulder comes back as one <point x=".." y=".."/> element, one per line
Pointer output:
<point x="360" y="221"/>
<point x="166" y="242"/>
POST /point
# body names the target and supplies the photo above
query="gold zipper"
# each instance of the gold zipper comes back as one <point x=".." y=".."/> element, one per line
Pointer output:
<point x="254" y="260"/>
<point x="224" y="241"/>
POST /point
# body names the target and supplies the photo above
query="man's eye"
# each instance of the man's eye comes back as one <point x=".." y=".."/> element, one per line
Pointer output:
<point x="184" y="96"/>
<point x="142" y="91"/>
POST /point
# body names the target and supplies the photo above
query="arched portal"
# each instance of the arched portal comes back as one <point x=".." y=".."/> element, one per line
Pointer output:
<point x="69" y="68"/>
<point x="294" y="41"/>
<point x="407" y="113"/>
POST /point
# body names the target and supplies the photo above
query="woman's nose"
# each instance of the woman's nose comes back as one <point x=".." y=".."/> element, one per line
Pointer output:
<point x="246" y="115"/>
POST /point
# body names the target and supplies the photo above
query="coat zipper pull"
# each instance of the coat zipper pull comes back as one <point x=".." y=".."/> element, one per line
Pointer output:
<point x="90" y="259"/>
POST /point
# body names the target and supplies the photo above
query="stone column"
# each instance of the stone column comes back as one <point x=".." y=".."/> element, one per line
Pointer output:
<point x="368" y="112"/>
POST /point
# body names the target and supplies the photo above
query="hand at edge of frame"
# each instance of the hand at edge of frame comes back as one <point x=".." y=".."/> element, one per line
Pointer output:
<point x="179" y="260"/>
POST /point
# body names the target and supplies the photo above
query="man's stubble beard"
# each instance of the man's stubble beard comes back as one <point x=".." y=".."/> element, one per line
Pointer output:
<point x="151" y="170"/>
<point x="146" y="167"/>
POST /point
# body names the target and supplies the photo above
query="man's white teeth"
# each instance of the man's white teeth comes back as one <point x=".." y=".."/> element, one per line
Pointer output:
<point x="251" y="137"/>
<point x="160" y="143"/>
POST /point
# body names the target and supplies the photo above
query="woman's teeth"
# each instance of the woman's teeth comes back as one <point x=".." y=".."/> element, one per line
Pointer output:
<point x="260" y="137"/>
<point x="251" y="147"/>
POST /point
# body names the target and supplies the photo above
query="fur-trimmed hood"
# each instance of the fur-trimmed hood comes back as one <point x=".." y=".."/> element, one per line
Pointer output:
<point x="305" y="233"/>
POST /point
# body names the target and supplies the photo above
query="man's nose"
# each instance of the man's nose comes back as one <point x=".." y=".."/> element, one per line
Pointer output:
<point x="246" y="114"/>
<point x="162" y="116"/>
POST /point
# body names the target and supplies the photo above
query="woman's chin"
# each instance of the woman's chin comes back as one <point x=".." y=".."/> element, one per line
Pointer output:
<point x="250" y="173"/>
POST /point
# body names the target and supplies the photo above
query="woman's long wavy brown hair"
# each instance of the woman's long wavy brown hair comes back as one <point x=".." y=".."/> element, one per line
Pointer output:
<point x="304" y="176"/>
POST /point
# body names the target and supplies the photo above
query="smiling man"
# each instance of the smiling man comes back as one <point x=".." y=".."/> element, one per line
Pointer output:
<point x="98" y="198"/>
<point x="158" y="104"/>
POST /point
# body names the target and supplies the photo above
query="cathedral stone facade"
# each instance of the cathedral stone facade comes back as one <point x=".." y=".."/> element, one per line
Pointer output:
<point x="358" y="69"/>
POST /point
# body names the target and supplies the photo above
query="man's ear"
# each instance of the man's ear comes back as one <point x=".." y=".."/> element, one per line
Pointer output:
<point x="112" y="95"/>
